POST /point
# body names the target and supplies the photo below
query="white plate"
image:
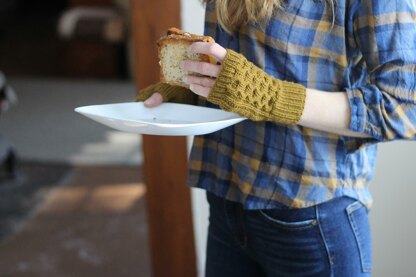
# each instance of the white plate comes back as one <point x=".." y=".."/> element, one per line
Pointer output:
<point x="168" y="119"/>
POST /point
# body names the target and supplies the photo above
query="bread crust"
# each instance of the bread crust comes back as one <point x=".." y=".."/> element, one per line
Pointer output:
<point x="176" y="33"/>
<point x="175" y="36"/>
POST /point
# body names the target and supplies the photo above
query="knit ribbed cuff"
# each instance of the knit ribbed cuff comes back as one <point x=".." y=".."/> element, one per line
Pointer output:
<point x="145" y="93"/>
<point x="290" y="103"/>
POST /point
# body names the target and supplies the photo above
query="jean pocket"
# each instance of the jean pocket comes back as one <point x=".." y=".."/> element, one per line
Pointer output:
<point x="358" y="218"/>
<point x="273" y="218"/>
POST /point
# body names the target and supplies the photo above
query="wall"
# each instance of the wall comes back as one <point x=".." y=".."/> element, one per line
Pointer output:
<point x="393" y="219"/>
<point x="392" y="216"/>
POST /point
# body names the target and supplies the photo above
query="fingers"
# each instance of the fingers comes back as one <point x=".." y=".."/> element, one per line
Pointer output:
<point x="202" y="68"/>
<point x="155" y="100"/>
<point x="202" y="81"/>
<point x="209" y="48"/>
<point x="200" y="85"/>
<point x="200" y="90"/>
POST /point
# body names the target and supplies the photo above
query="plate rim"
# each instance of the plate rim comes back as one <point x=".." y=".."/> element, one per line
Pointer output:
<point x="163" y="125"/>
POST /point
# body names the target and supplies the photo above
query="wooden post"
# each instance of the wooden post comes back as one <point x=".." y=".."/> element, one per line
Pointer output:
<point x="165" y="158"/>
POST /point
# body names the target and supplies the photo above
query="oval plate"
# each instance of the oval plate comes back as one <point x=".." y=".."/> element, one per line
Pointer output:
<point x="168" y="119"/>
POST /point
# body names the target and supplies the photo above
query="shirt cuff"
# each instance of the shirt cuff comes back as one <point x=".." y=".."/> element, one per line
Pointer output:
<point x="359" y="121"/>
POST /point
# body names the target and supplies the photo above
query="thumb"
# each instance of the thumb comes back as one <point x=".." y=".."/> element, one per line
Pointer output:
<point x="155" y="100"/>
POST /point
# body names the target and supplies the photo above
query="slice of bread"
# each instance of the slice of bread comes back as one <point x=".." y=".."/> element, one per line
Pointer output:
<point x="173" y="50"/>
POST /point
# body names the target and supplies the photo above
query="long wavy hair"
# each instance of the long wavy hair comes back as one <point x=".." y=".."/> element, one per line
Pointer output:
<point x="233" y="14"/>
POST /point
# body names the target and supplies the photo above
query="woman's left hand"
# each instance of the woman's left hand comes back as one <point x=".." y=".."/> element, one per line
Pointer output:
<point x="202" y="85"/>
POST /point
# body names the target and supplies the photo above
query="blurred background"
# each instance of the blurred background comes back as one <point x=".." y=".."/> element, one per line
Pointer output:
<point x="71" y="190"/>
<point x="73" y="203"/>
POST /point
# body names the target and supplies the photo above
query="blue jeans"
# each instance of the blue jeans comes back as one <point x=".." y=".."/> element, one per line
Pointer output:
<point x="330" y="239"/>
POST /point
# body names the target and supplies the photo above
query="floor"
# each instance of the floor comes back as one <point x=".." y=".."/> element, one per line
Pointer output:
<point x="78" y="205"/>
<point x="91" y="224"/>
<point x="43" y="125"/>
<point x="20" y="196"/>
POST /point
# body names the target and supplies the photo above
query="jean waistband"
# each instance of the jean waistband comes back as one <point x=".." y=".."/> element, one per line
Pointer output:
<point x="334" y="205"/>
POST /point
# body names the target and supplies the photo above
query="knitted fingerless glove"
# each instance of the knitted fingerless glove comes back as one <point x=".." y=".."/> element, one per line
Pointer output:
<point x="243" y="88"/>
<point x="169" y="93"/>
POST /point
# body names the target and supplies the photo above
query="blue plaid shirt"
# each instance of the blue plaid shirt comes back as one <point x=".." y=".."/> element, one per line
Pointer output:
<point x="368" y="51"/>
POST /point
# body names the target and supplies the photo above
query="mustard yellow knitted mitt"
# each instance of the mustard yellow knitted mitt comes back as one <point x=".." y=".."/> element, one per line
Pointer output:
<point x="243" y="88"/>
<point x="169" y="93"/>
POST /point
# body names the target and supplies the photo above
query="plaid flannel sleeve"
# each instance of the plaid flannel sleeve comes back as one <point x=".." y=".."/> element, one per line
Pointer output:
<point x="385" y="34"/>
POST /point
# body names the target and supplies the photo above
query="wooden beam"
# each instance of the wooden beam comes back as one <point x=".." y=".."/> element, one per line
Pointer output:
<point x="165" y="158"/>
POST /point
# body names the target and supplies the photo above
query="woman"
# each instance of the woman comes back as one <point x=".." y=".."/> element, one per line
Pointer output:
<point x="322" y="83"/>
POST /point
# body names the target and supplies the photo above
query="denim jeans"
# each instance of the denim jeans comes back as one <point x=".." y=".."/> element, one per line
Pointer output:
<point x="330" y="239"/>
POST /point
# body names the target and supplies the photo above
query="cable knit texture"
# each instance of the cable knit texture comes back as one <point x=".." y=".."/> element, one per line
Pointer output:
<point x="169" y="93"/>
<point x="243" y="88"/>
